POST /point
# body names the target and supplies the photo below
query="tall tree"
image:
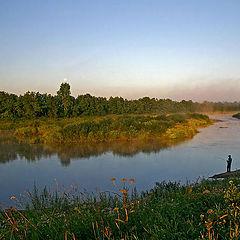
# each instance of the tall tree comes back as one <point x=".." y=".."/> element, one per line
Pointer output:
<point x="64" y="95"/>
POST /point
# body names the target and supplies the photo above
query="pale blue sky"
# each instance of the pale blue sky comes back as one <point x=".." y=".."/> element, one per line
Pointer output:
<point x="179" y="49"/>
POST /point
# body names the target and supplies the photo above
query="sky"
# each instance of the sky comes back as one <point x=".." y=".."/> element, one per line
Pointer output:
<point x="178" y="49"/>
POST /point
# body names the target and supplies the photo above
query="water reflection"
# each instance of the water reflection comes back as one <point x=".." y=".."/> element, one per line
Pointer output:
<point x="91" y="165"/>
<point x="11" y="149"/>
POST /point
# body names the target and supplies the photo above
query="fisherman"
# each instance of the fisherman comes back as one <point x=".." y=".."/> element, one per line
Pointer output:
<point x="229" y="162"/>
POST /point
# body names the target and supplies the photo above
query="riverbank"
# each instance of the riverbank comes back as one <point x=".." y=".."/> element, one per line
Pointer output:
<point x="108" y="128"/>
<point x="168" y="211"/>
<point x="237" y="115"/>
<point x="235" y="173"/>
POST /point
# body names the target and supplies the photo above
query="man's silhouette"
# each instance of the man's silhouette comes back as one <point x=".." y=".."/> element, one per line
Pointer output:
<point x="229" y="162"/>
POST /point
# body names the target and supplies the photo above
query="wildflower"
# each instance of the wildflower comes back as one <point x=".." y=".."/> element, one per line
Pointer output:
<point x="231" y="182"/>
<point x="116" y="208"/>
<point x="223" y="216"/>
<point x="12" y="197"/>
<point x="112" y="179"/>
<point x="209" y="211"/>
<point x="206" y="191"/>
<point x="123" y="191"/>
<point x="131" y="180"/>
<point x="202" y="216"/>
<point x="150" y="192"/>
<point x="124" y="180"/>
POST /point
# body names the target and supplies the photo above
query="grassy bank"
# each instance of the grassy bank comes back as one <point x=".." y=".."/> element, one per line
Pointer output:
<point x="108" y="128"/>
<point x="205" y="210"/>
<point x="237" y="115"/>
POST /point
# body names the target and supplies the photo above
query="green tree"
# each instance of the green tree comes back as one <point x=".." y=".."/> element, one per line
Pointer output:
<point x="66" y="103"/>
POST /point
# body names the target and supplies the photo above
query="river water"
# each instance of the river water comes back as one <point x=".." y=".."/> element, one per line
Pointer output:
<point x="91" y="166"/>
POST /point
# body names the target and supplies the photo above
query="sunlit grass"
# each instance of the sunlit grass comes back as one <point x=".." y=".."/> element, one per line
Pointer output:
<point x="108" y="128"/>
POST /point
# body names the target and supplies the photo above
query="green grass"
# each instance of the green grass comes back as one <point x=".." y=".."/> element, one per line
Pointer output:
<point x="168" y="211"/>
<point x="107" y="128"/>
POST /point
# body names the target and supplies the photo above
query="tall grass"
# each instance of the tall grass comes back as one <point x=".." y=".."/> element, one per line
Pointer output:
<point x="202" y="210"/>
<point x="111" y="128"/>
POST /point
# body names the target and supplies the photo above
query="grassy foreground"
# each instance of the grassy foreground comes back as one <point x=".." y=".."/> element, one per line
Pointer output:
<point x="205" y="210"/>
<point x="107" y="128"/>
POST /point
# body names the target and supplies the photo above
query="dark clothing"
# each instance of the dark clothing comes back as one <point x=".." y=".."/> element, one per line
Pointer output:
<point x="228" y="167"/>
<point x="229" y="163"/>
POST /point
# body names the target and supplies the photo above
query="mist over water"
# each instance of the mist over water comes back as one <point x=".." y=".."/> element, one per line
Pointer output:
<point x="92" y="165"/>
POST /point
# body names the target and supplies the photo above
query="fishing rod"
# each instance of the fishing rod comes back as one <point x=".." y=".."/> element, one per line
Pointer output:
<point x="222" y="158"/>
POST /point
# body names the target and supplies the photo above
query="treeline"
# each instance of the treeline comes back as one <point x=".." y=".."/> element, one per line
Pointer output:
<point x="36" y="105"/>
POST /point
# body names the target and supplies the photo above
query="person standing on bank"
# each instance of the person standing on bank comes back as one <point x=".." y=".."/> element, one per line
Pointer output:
<point x="229" y="163"/>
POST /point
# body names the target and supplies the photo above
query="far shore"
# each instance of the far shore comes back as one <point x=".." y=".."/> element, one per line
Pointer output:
<point x="109" y="128"/>
<point x="219" y="113"/>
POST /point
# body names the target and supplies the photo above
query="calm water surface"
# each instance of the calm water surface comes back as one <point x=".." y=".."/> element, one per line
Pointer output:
<point x="91" y="166"/>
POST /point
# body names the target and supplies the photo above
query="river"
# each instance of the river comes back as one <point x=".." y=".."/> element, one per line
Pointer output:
<point x="91" y="166"/>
